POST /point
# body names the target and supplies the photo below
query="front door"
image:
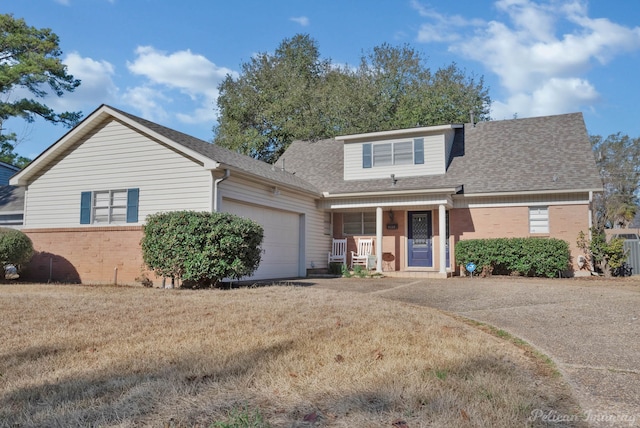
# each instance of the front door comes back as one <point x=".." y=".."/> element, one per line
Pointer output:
<point x="419" y="234"/>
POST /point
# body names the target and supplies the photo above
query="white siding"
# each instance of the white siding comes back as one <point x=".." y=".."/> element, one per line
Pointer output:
<point x="116" y="157"/>
<point x="316" y="242"/>
<point x="434" y="160"/>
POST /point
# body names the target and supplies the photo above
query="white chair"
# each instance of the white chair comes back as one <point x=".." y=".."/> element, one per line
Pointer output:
<point x="338" y="252"/>
<point x="361" y="256"/>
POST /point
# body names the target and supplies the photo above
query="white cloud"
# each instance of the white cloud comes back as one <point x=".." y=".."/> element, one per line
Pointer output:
<point x="191" y="74"/>
<point x="541" y="52"/>
<point x="96" y="87"/>
<point x="148" y="101"/>
<point x="553" y="96"/>
<point x="302" y="20"/>
<point x="442" y="28"/>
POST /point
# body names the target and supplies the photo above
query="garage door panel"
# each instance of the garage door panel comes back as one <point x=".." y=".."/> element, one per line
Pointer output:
<point x="281" y="244"/>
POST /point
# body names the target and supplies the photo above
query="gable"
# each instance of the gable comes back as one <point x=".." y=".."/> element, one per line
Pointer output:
<point x="411" y="153"/>
<point x="116" y="157"/>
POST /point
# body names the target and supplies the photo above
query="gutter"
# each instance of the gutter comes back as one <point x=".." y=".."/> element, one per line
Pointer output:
<point x="217" y="181"/>
<point x="450" y="190"/>
<point x="530" y="192"/>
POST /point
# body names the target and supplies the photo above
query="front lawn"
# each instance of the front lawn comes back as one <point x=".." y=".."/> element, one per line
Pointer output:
<point x="283" y="355"/>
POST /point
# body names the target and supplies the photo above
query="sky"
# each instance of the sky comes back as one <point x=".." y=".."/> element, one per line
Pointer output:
<point x="164" y="59"/>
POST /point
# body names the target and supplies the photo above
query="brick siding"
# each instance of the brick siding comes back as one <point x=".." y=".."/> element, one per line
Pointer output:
<point x="88" y="255"/>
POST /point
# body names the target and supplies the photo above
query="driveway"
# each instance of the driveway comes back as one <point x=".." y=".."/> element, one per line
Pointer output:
<point x="589" y="327"/>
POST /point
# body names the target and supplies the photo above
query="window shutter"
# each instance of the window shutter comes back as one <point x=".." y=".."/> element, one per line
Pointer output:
<point x="366" y="155"/>
<point x="418" y="151"/>
<point x="85" y="208"/>
<point x="132" y="205"/>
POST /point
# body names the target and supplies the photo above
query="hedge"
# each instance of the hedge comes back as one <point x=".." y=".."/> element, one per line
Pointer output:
<point x="201" y="248"/>
<point x="15" y="248"/>
<point x="516" y="256"/>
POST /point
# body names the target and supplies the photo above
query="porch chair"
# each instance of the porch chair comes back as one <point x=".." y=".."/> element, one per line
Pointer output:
<point x="338" y="252"/>
<point x="361" y="257"/>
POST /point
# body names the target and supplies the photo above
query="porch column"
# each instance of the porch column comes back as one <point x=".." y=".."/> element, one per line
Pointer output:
<point x="442" y="232"/>
<point x="379" y="239"/>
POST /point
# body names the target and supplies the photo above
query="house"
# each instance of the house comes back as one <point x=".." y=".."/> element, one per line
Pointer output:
<point x="416" y="192"/>
<point x="11" y="198"/>
<point x="419" y="191"/>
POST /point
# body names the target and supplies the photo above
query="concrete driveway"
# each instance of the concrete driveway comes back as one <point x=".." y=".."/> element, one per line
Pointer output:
<point x="589" y="327"/>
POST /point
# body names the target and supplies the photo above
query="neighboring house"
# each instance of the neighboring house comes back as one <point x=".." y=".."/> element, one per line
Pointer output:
<point x="11" y="198"/>
<point x="419" y="191"/>
<point x="6" y="171"/>
<point x="88" y="194"/>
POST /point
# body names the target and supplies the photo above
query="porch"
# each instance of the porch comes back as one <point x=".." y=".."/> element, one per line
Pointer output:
<point x="407" y="243"/>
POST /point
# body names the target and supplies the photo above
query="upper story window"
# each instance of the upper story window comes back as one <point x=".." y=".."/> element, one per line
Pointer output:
<point x="109" y="206"/>
<point x="394" y="153"/>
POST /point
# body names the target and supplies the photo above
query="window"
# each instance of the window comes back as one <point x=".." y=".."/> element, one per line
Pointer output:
<point x="382" y="155"/>
<point x="539" y="220"/>
<point x="11" y="219"/>
<point x="109" y="206"/>
<point x="396" y="153"/>
<point x="359" y="223"/>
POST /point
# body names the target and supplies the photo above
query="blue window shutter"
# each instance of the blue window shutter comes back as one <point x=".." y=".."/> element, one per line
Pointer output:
<point x="418" y="151"/>
<point x="366" y="155"/>
<point x="85" y="208"/>
<point x="132" y="205"/>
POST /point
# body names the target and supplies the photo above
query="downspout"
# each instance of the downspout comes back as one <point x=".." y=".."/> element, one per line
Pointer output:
<point x="590" y="213"/>
<point x="217" y="181"/>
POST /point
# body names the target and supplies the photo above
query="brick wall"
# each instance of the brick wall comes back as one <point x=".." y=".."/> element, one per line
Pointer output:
<point x="565" y="222"/>
<point x="87" y="255"/>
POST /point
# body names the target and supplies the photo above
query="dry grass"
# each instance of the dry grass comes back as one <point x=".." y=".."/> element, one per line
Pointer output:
<point x="297" y="356"/>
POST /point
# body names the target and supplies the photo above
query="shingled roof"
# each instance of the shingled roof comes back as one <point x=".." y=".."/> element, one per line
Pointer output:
<point x="11" y="199"/>
<point x="225" y="156"/>
<point x="550" y="153"/>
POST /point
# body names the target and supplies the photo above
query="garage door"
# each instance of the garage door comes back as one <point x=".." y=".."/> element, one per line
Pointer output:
<point x="281" y="244"/>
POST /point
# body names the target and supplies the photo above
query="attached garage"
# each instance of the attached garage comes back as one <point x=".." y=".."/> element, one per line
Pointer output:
<point x="281" y="244"/>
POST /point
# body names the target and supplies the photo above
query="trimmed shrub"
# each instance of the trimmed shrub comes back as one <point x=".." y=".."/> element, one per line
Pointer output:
<point x="516" y="256"/>
<point x="15" y="248"/>
<point x="201" y="248"/>
<point x="606" y="257"/>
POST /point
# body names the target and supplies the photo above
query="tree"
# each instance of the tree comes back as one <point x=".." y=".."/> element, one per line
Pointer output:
<point x="275" y="100"/>
<point x="605" y="257"/>
<point x="618" y="158"/>
<point x="406" y="93"/>
<point x="295" y="94"/>
<point x="30" y="60"/>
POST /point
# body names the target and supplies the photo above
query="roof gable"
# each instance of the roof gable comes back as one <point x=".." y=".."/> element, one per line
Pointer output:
<point x="209" y="155"/>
